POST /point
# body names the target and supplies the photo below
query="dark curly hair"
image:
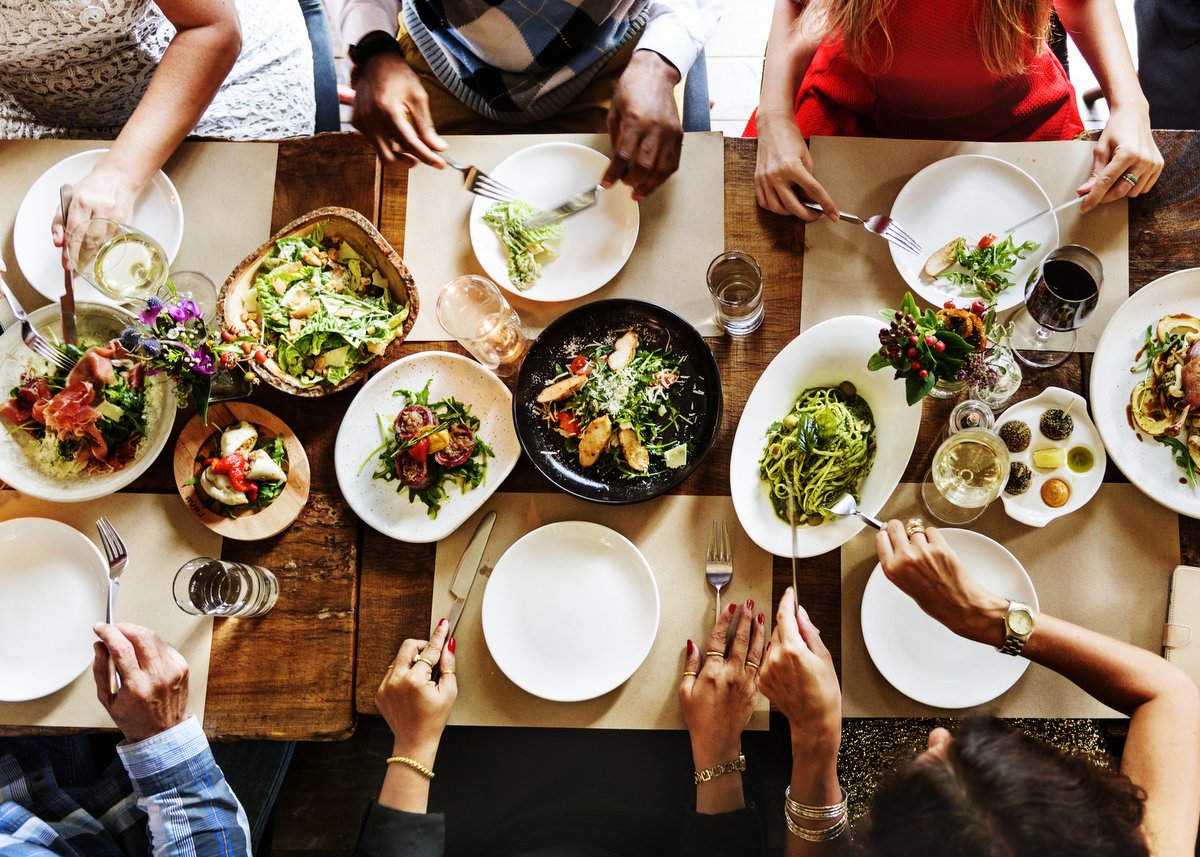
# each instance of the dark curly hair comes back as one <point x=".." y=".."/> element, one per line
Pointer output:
<point x="1000" y="793"/>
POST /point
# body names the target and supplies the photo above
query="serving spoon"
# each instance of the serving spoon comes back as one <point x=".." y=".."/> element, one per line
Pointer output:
<point x="845" y="507"/>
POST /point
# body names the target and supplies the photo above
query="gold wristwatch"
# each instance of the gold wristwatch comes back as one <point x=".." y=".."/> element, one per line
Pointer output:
<point x="1018" y="627"/>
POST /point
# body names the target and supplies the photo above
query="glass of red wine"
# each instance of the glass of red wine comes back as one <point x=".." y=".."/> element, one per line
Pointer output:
<point x="1060" y="296"/>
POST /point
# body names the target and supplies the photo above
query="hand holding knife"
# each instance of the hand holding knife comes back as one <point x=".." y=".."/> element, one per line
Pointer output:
<point x="468" y="566"/>
<point x="584" y="199"/>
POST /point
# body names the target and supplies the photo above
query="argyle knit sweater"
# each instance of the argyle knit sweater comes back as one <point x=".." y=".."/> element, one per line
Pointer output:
<point x="520" y="61"/>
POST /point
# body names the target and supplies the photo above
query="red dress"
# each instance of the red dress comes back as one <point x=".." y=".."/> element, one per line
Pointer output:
<point x="936" y="87"/>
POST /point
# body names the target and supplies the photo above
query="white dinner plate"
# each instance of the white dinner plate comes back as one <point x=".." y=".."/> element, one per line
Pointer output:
<point x="53" y="589"/>
<point x="970" y="196"/>
<point x="922" y="658"/>
<point x="570" y="611"/>
<point x="158" y="213"/>
<point x="1029" y="508"/>
<point x="1146" y="463"/>
<point x="378" y="502"/>
<point x="596" y="242"/>
<point x="822" y="356"/>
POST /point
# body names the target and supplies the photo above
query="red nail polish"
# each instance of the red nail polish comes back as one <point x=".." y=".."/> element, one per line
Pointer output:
<point x="691" y="648"/>
<point x="761" y="618"/>
<point x="450" y="645"/>
<point x="442" y="621"/>
<point x="749" y="604"/>
<point x="732" y="609"/>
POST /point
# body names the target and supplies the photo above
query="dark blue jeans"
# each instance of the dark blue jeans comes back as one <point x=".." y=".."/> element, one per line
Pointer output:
<point x="324" y="76"/>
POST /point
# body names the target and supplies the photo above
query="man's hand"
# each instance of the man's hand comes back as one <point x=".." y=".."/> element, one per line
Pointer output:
<point x="154" y="680"/>
<point x="391" y="109"/>
<point x="644" y="123"/>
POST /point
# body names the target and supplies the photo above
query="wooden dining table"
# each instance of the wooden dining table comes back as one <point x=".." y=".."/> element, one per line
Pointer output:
<point x="306" y="670"/>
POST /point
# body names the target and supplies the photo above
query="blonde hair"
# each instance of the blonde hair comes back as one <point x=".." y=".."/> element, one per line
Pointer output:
<point x="1009" y="31"/>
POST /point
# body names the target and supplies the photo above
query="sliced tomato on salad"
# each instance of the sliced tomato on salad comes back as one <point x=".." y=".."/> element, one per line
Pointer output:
<point x="568" y="424"/>
<point x="580" y="366"/>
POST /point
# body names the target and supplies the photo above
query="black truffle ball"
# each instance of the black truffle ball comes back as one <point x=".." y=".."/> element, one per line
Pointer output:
<point x="1057" y="425"/>
<point x="1016" y="435"/>
<point x="1019" y="478"/>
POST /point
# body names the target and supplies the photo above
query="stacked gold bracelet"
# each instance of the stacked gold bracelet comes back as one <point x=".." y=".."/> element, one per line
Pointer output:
<point x="793" y="811"/>
<point x="412" y="763"/>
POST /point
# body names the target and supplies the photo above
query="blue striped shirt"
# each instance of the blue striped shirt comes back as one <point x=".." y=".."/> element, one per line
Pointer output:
<point x="167" y="797"/>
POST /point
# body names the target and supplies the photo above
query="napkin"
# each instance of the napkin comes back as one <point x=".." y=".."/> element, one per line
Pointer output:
<point x="161" y="536"/>
<point x="849" y="272"/>
<point x="1104" y="567"/>
<point x="682" y="227"/>
<point x="672" y="532"/>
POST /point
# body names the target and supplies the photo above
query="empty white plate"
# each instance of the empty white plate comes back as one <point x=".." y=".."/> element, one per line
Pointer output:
<point x="921" y="657"/>
<point x="596" y="242"/>
<point x="570" y="611"/>
<point x="970" y="196"/>
<point x="53" y="586"/>
<point x="158" y="213"/>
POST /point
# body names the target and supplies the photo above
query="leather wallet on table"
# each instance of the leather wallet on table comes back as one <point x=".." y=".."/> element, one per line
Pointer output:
<point x="1181" y="635"/>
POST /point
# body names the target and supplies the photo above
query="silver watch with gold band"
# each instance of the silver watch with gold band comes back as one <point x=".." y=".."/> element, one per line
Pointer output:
<point x="1018" y="627"/>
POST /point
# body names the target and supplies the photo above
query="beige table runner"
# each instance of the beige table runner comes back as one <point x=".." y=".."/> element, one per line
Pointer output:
<point x="161" y="536"/>
<point x="226" y="190"/>
<point x="673" y="533"/>
<point x="1106" y="567"/>
<point x="682" y="228"/>
<point x="848" y="272"/>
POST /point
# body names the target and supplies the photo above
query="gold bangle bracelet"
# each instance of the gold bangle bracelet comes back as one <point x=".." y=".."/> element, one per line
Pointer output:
<point x="814" y="813"/>
<point x="808" y="835"/>
<point x="412" y="763"/>
<point x="738" y="764"/>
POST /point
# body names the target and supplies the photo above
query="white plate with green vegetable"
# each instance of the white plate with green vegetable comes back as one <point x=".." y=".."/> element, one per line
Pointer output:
<point x="971" y="197"/>
<point x="424" y="443"/>
<point x="570" y="259"/>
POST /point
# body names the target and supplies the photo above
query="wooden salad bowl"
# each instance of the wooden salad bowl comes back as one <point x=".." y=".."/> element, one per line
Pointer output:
<point x="368" y="243"/>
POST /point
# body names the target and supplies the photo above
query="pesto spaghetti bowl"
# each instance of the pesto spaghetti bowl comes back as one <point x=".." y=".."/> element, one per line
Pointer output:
<point x="818" y="393"/>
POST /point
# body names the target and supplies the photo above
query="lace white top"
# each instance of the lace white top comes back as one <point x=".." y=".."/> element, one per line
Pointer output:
<point x="78" y="68"/>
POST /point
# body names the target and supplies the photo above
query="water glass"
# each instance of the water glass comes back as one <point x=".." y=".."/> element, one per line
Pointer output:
<point x="1060" y="296"/>
<point x="472" y="310"/>
<point x="735" y="282"/>
<point x="122" y="263"/>
<point x="196" y="286"/>
<point x="206" y="586"/>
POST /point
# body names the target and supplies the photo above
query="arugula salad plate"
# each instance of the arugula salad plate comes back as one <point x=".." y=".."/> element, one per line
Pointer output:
<point x="970" y="196"/>
<point x="370" y="418"/>
<point x="693" y="399"/>
<point x="595" y="243"/>
<point x="1147" y="463"/>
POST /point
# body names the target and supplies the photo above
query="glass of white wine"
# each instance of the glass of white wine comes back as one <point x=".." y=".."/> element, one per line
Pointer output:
<point x="122" y="263"/>
<point x="969" y="471"/>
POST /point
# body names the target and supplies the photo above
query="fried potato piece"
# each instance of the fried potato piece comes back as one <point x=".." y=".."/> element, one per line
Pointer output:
<point x="636" y="455"/>
<point x="594" y="439"/>
<point x="942" y="260"/>
<point x="563" y="389"/>
<point x="623" y="351"/>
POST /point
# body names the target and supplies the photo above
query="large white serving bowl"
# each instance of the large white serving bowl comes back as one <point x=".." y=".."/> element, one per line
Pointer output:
<point x="823" y="356"/>
<point x="970" y="196"/>
<point x="97" y="324"/>
<point x="570" y="611"/>
<point x="53" y="585"/>
<point x="925" y="660"/>
<point x="596" y="242"/>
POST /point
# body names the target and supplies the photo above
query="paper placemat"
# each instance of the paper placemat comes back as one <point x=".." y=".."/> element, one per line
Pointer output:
<point x="673" y="533"/>
<point x="161" y="536"/>
<point x="1098" y="568"/>
<point x="849" y="272"/>
<point x="682" y="228"/>
<point x="226" y="191"/>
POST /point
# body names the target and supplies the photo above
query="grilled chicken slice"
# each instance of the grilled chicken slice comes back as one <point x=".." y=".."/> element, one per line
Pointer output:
<point x="594" y="439"/>
<point x="636" y="455"/>
<point x="563" y="389"/>
<point x="623" y="351"/>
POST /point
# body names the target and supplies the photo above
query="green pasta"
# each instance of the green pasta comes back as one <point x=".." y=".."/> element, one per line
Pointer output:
<point x="821" y="450"/>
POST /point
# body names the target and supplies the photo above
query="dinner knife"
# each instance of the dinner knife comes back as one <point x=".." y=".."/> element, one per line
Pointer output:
<point x="65" y="194"/>
<point x="574" y="205"/>
<point x="468" y="566"/>
<point x="1056" y="209"/>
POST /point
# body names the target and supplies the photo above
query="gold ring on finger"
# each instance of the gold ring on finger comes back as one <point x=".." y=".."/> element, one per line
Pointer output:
<point x="1131" y="178"/>
<point x="447" y="672"/>
<point x="913" y="526"/>
<point x="752" y="665"/>
<point x="390" y="667"/>
<point x="720" y="655"/>
<point x="692" y="673"/>
<point x="424" y="660"/>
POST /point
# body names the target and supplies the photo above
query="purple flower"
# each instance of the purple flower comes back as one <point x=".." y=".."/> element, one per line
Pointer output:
<point x="205" y="360"/>
<point x="150" y="314"/>
<point x="184" y="310"/>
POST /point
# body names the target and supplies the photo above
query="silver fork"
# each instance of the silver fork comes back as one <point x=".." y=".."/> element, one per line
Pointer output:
<point x="718" y="567"/>
<point x="881" y="225"/>
<point x="35" y="341"/>
<point x="480" y="183"/>
<point x="118" y="558"/>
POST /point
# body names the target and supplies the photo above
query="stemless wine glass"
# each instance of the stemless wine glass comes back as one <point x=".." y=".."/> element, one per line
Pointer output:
<point x="196" y="286"/>
<point x="122" y="263"/>
<point x="1060" y="296"/>
<point x="969" y="470"/>
<point x="472" y="310"/>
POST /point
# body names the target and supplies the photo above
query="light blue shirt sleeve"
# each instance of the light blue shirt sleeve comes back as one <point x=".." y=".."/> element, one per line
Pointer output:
<point x="190" y="807"/>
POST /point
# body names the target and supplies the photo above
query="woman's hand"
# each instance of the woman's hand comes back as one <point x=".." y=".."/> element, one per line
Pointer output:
<point x="391" y="109"/>
<point x="414" y="705"/>
<point x="1125" y="148"/>
<point x="104" y="192"/>
<point x="799" y="679"/>
<point x="784" y="166"/>
<point x="928" y="571"/>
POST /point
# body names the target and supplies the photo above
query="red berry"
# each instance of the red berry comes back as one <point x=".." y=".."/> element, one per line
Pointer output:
<point x="941" y="346"/>
<point x="916" y="364"/>
<point x="978" y="307"/>
<point x="914" y="339"/>
<point x="930" y="339"/>
<point x="948" y="305"/>
<point x="912" y="352"/>
<point x="924" y="373"/>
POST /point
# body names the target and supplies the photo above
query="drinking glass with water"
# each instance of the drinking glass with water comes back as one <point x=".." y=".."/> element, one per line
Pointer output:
<point x="206" y="586"/>
<point x="735" y="282"/>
